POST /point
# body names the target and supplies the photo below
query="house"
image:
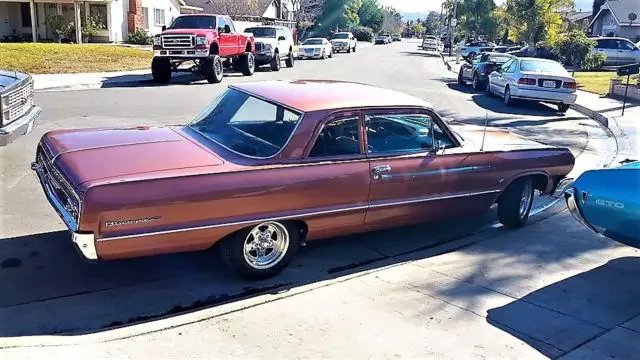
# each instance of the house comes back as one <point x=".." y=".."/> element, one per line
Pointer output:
<point x="580" y="19"/>
<point x="613" y="20"/>
<point x="26" y="20"/>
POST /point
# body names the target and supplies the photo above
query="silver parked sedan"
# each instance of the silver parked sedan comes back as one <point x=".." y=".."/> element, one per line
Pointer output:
<point x="534" y="79"/>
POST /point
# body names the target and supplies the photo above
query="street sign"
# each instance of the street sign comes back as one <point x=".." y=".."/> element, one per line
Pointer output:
<point x="629" y="69"/>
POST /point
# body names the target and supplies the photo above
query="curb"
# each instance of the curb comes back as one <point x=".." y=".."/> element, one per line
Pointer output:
<point x="117" y="84"/>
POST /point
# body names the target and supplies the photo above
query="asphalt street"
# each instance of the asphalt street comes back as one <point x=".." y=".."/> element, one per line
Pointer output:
<point x="48" y="290"/>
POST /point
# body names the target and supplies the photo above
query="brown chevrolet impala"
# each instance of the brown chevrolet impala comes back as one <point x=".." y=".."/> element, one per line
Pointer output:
<point x="269" y="165"/>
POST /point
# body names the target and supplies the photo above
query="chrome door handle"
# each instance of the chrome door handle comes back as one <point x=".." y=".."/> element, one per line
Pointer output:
<point x="380" y="170"/>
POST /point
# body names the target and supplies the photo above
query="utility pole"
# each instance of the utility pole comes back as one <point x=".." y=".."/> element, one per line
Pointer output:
<point x="452" y="26"/>
<point x="441" y="22"/>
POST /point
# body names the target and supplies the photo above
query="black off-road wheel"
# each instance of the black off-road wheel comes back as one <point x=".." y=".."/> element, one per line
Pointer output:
<point x="275" y="62"/>
<point x="212" y="69"/>
<point x="290" y="61"/>
<point x="563" y="108"/>
<point x="247" y="64"/>
<point x="261" y="251"/>
<point x="161" y="70"/>
<point x="515" y="203"/>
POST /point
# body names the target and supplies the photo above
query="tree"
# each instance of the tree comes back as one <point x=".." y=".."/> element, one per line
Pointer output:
<point x="536" y="20"/>
<point x="475" y="18"/>
<point x="573" y="48"/>
<point x="392" y="21"/>
<point x="234" y="7"/>
<point x="306" y="11"/>
<point x="350" y="17"/>
<point x="418" y="29"/>
<point x="371" y="15"/>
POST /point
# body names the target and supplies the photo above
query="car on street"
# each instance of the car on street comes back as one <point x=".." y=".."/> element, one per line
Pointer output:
<point x="397" y="37"/>
<point x="533" y="79"/>
<point x="315" y="48"/>
<point x="18" y="112"/>
<point x="210" y="41"/>
<point x="471" y="49"/>
<point x="431" y="43"/>
<point x="618" y="51"/>
<point x="477" y="70"/>
<point x="268" y="166"/>
<point x="607" y="201"/>
<point x="273" y="44"/>
<point x="381" y="40"/>
<point x="541" y="52"/>
<point x="344" y="41"/>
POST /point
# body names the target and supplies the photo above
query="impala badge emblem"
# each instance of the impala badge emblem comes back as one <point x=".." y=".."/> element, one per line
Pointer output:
<point x="110" y="223"/>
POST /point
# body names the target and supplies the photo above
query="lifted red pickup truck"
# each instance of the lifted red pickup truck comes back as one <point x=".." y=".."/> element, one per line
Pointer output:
<point x="206" y="40"/>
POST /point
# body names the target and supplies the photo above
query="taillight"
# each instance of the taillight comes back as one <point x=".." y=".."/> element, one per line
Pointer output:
<point x="527" y="81"/>
<point x="570" y="85"/>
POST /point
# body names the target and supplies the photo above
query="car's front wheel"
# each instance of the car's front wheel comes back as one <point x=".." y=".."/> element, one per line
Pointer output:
<point x="476" y="82"/>
<point x="161" y="70"/>
<point x="261" y="251"/>
<point x="461" y="78"/>
<point x="213" y="69"/>
<point x="488" y="88"/>
<point x="275" y="62"/>
<point x="515" y="203"/>
<point x="290" y="59"/>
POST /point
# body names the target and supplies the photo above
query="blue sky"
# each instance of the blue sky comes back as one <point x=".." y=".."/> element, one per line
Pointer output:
<point x="428" y="5"/>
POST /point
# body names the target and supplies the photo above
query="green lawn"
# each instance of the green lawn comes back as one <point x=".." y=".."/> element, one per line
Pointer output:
<point x="598" y="82"/>
<point x="36" y="58"/>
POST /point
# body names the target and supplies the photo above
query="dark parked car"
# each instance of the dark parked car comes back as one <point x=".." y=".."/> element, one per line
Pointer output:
<point x="541" y="52"/>
<point x="18" y="112"/>
<point x="272" y="164"/>
<point x="477" y="70"/>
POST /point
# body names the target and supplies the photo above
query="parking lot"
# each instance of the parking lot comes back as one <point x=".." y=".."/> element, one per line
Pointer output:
<point x="460" y="289"/>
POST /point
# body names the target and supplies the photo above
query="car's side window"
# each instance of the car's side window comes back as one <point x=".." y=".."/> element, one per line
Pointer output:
<point x="401" y="133"/>
<point x="512" y="68"/>
<point x="221" y="24"/>
<point x="506" y="65"/>
<point x="229" y="23"/>
<point x="625" y="45"/>
<point x="338" y="138"/>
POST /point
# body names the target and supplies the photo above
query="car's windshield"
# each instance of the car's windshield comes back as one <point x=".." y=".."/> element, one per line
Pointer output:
<point x="542" y="66"/>
<point x="312" y="42"/>
<point x="498" y="59"/>
<point x="246" y="124"/>
<point x="340" y="36"/>
<point x="194" y="22"/>
<point x="262" y="32"/>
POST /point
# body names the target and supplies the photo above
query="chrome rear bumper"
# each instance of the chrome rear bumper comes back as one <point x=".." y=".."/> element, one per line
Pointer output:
<point x="572" y="204"/>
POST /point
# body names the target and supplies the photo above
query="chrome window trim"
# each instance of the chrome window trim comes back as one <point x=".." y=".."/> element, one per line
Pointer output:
<point x="301" y="215"/>
<point x="286" y="144"/>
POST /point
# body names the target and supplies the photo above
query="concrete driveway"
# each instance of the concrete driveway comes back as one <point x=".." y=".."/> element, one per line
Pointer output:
<point x="460" y="289"/>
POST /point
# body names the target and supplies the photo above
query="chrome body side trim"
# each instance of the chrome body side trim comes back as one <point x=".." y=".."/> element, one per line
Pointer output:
<point x="438" y="172"/>
<point x="300" y="215"/>
<point x="571" y="198"/>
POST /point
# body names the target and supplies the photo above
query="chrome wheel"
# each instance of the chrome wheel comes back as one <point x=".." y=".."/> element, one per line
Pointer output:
<point x="266" y="245"/>
<point x="526" y="199"/>
<point x="217" y="68"/>
<point x="251" y="63"/>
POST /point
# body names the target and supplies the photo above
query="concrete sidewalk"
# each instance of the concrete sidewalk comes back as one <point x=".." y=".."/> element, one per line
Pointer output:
<point x="548" y="294"/>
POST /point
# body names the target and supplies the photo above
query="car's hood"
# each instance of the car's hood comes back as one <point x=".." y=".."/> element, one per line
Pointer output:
<point x="195" y="32"/>
<point x="116" y="154"/>
<point x="9" y="79"/>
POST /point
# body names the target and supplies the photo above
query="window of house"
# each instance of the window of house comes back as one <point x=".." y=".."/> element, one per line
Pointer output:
<point x="145" y="14"/>
<point x="99" y="13"/>
<point x="337" y="138"/>
<point x="158" y="17"/>
<point x="404" y="133"/>
<point x="25" y="13"/>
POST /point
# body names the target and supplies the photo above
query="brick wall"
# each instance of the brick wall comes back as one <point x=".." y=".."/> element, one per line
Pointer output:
<point x="135" y="18"/>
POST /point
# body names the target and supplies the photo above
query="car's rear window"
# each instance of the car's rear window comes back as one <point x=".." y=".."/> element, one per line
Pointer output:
<point x="247" y="125"/>
<point x="542" y="66"/>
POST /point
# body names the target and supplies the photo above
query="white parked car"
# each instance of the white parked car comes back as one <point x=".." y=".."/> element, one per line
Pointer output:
<point x="473" y="48"/>
<point x="533" y="79"/>
<point x="619" y="51"/>
<point x="344" y="41"/>
<point x="315" y="48"/>
<point x="273" y="44"/>
<point x="431" y="43"/>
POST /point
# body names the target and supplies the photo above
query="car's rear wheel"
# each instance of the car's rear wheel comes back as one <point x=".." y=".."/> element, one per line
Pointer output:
<point x="290" y="59"/>
<point x="261" y="251"/>
<point x="275" y="62"/>
<point x="563" y="108"/>
<point x="461" y="78"/>
<point x="247" y="64"/>
<point x="213" y="69"/>
<point x="515" y="203"/>
<point x="508" y="101"/>
<point x="488" y="88"/>
<point x="476" y="82"/>
<point x="161" y="70"/>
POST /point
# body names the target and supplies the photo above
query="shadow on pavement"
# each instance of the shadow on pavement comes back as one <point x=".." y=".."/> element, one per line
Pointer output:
<point x="419" y="53"/>
<point x="559" y="318"/>
<point x="180" y="78"/>
<point x="49" y="289"/>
